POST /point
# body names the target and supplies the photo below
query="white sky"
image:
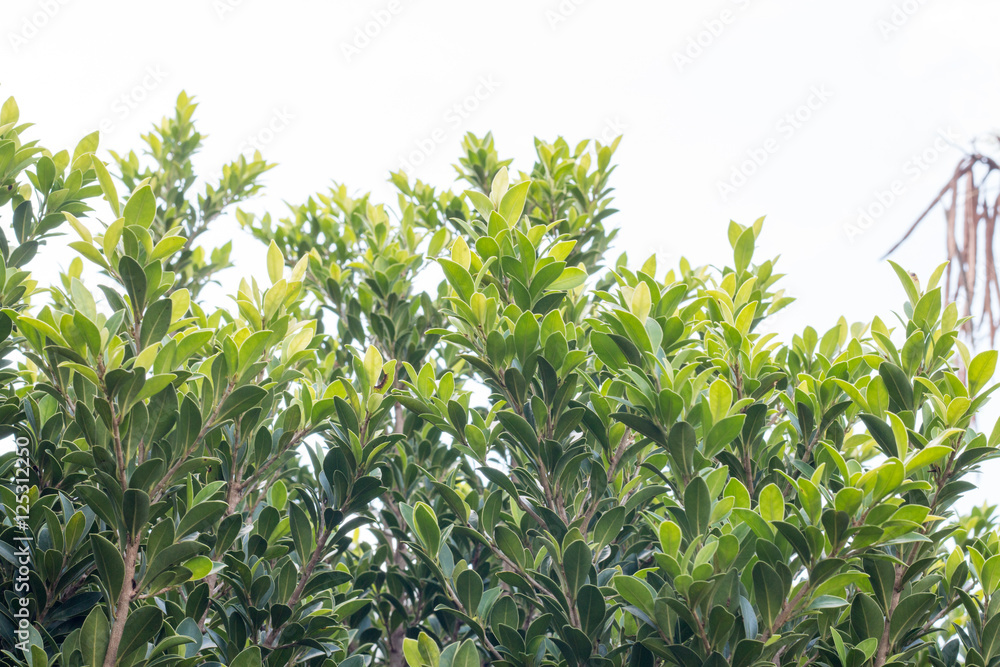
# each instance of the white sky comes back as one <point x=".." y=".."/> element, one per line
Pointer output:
<point x="885" y="78"/>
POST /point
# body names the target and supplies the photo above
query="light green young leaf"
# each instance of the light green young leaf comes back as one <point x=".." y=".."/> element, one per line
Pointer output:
<point x="771" y="503"/>
<point x="275" y="262"/>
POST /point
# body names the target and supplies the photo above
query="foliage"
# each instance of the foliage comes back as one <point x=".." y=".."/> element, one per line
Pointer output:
<point x="170" y="147"/>
<point x="445" y="434"/>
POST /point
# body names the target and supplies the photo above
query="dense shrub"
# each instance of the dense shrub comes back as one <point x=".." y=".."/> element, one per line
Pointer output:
<point x="445" y="432"/>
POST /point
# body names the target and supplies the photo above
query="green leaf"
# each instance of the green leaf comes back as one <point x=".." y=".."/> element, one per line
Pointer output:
<point x="900" y="435"/>
<point x="302" y="531"/>
<point x="512" y="203"/>
<point x="98" y="501"/>
<point x="140" y="627"/>
<point x="201" y="515"/>
<point x="981" y="370"/>
<point x="155" y="385"/>
<point x="171" y="642"/>
<point x="426" y="526"/>
<point x="576" y="564"/>
<point x="723" y="433"/>
<point x="897" y="384"/>
<point x="520" y="428"/>
<point x="200" y="566"/>
<point x="107" y="186"/>
<point x="697" y="505"/>
<point x="140" y="209"/>
<point x="670" y="537"/>
<point x="134" y="280"/>
<point x="642" y="426"/>
<point x="500" y="479"/>
<point x="483" y="206"/>
<point x="89" y="252"/>
<point x="796" y="538"/>
<point x="166" y="247"/>
<point x="509" y="543"/>
<point x="94" y="636"/>
<point x="838" y="582"/>
<point x="570" y="278"/>
<point x="768" y="592"/>
<point x="525" y="335"/>
<point x="9" y="113"/>
<point x="459" y="278"/>
<point x="411" y="651"/>
<point x="467" y="655"/>
<point x="607" y="351"/>
<point x="155" y="323"/>
<point x="249" y="657"/>
<point x="242" y="399"/>
<point x="136" y="510"/>
<point x="909" y="613"/>
<point x="504" y="612"/>
<point x="682" y="444"/>
<point x="881" y="432"/>
<point x="641" y="302"/>
<point x="771" y="504"/>
<point x="109" y="564"/>
<point x="853" y="393"/>
<point x="927" y="456"/>
<point x="609" y="525"/>
<point x="373" y="365"/>
<point x="907" y="281"/>
<point x="591" y="609"/>
<point x="79" y="227"/>
<point x="990" y="640"/>
<point x="469" y="588"/>
<point x="866" y="617"/>
<point x="112" y="235"/>
<point x="990" y="574"/>
<point x="636" y="592"/>
<point x="86" y="145"/>
<point x="172" y="556"/>
<point x="744" y="249"/>
<point x="85" y="371"/>
<point x="275" y="262"/>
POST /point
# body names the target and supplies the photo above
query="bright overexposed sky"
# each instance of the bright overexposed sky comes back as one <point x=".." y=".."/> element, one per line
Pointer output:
<point x="806" y="112"/>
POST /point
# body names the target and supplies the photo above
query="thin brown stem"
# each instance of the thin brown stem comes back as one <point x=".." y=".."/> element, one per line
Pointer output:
<point x="125" y="597"/>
